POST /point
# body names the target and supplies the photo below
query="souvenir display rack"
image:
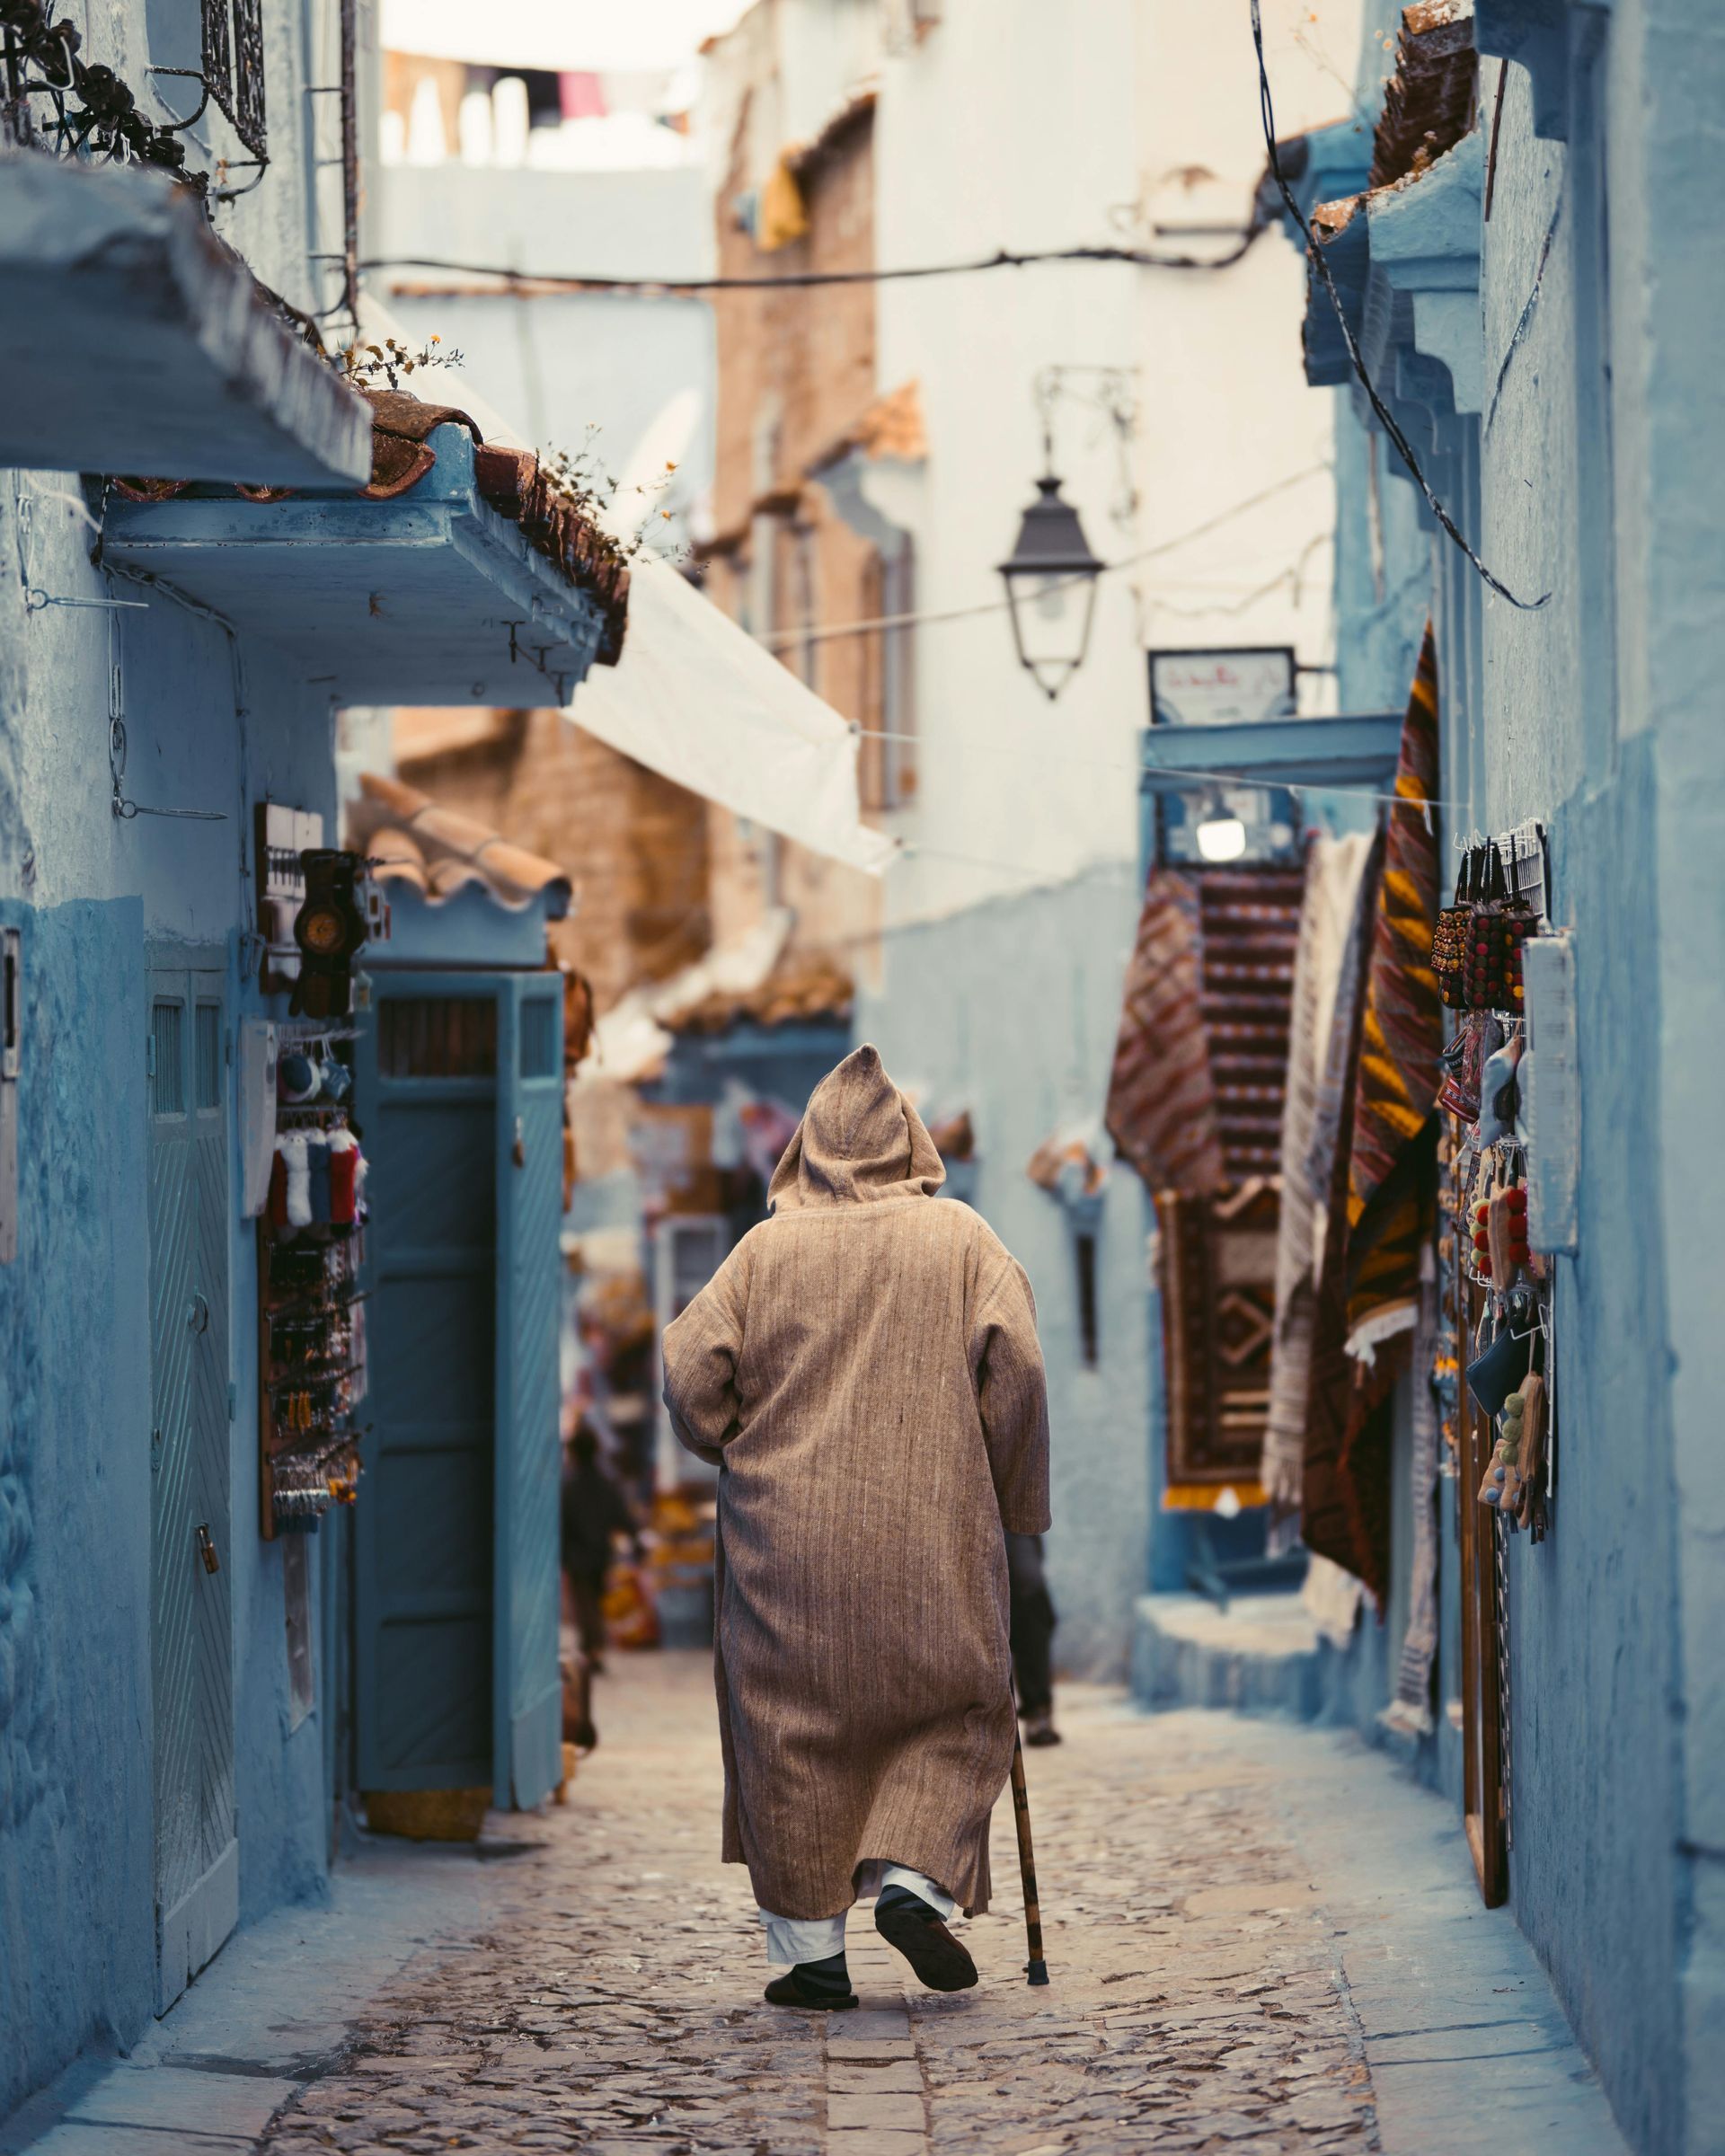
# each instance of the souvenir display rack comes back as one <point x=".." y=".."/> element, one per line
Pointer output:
<point x="1494" y="1371"/>
<point x="312" y="1361"/>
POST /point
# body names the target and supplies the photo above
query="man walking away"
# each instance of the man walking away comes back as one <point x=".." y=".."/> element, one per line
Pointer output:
<point x="1033" y="1623"/>
<point x="864" y="1371"/>
<point x="593" y="1511"/>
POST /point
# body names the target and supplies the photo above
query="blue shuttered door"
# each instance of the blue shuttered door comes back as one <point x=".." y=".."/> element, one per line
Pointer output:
<point x="460" y="1102"/>
<point x="530" y="1187"/>
<point x="427" y="1098"/>
<point x="197" y="1855"/>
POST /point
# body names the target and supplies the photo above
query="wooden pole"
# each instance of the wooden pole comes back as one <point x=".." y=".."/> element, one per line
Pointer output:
<point x="1036" y="1969"/>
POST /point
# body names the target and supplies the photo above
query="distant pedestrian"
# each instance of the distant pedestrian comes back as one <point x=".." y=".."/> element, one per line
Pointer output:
<point x="593" y="1511"/>
<point x="1033" y="1621"/>
<point x="864" y="1371"/>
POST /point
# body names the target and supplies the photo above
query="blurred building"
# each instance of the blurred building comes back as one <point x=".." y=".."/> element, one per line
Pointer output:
<point x="877" y="446"/>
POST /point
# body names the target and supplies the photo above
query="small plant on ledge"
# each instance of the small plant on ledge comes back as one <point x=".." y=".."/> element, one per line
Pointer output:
<point x="366" y="365"/>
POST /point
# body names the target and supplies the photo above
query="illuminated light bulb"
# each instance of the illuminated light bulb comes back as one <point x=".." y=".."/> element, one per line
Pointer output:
<point x="1221" y="838"/>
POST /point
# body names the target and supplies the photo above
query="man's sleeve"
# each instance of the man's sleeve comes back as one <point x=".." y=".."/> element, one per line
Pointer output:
<point x="702" y="1347"/>
<point x="1012" y="1394"/>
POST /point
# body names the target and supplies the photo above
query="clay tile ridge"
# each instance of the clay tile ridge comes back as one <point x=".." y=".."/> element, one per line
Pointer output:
<point x="513" y="483"/>
<point x="419" y="841"/>
<point x="1428" y="102"/>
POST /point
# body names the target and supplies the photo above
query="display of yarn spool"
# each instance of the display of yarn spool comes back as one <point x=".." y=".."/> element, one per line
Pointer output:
<point x="312" y="1354"/>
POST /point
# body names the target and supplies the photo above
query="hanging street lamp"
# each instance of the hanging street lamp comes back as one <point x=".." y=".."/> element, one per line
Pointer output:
<point x="1050" y="579"/>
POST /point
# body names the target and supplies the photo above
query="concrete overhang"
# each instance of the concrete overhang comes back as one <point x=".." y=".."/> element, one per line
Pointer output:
<point x="431" y="597"/>
<point x="1405" y="261"/>
<point x="133" y="340"/>
<point x="1355" y="749"/>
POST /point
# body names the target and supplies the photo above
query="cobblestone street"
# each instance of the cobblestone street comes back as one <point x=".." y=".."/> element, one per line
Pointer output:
<point x="614" y="2005"/>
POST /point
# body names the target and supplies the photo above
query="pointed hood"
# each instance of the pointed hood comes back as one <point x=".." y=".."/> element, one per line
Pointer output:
<point x="859" y="1139"/>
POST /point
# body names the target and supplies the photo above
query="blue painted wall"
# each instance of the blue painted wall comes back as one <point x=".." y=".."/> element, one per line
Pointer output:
<point x="75" y="1908"/>
<point x="93" y="894"/>
<point x="1596" y="448"/>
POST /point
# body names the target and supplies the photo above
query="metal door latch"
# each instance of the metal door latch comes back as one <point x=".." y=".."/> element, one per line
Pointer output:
<point x="207" y="1551"/>
<point x="519" y="1151"/>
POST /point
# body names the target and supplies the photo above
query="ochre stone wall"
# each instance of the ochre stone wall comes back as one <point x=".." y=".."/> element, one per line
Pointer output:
<point x="635" y="843"/>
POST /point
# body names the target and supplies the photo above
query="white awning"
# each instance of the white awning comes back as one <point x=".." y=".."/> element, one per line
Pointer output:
<point x="697" y="699"/>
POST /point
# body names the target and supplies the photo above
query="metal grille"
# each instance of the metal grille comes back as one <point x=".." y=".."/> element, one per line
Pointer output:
<point x="219" y="53"/>
<point x="248" y="113"/>
<point x="233" y="62"/>
<point x="539" y="1038"/>
<point x="167" y="1056"/>
<point x="206" y="1044"/>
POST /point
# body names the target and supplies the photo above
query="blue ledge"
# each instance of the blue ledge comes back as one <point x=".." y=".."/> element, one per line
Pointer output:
<point x="1539" y="34"/>
<point x="1422" y="289"/>
<point x="133" y="340"/>
<point x="1325" y="164"/>
<point x="473" y="926"/>
<point x="1405" y="259"/>
<point x="1360" y="748"/>
<point x="434" y="597"/>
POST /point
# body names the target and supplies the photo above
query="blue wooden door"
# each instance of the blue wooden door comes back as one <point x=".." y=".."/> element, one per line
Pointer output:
<point x="196" y="1854"/>
<point x="426" y="1095"/>
<point x="528" y="1692"/>
<point x="459" y="1098"/>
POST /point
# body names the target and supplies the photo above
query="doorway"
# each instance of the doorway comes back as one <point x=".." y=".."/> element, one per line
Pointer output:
<point x="191" y="1656"/>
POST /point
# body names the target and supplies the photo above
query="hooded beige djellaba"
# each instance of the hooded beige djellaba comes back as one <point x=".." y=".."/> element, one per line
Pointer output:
<point x="864" y="1370"/>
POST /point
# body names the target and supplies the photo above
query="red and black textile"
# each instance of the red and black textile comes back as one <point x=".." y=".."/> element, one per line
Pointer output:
<point x="1217" y="1274"/>
<point x="1382" y="1191"/>
<point x="1329" y="1507"/>
<point x="1161" y="1098"/>
<point x="1249" y="930"/>
<point x="1194" y="1098"/>
<point x="1391" y="1158"/>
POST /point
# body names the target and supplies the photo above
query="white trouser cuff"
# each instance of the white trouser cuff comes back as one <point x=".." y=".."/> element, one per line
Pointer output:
<point x="791" y="1940"/>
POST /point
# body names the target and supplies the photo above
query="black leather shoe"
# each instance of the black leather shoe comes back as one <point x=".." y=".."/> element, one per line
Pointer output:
<point x="819" y="1987"/>
<point x="913" y="1926"/>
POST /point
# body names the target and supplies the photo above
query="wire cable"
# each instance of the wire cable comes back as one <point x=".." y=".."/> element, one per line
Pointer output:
<point x="1386" y="419"/>
<point x="514" y="283"/>
<point x="784" y="640"/>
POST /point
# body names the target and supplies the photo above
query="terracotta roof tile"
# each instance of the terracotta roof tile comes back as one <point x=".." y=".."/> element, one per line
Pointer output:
<point x="437" y="849"/>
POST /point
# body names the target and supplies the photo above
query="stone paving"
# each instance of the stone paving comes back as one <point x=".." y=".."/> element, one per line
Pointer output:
<point x="612" y="2006"/>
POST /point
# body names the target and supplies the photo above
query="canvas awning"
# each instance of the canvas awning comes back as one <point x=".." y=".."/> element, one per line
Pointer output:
<point x="697" y="699"/>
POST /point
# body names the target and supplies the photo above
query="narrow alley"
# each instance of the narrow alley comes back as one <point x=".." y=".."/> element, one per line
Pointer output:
<point x="1261" y="1940"/>
<point x="877" y="844"/>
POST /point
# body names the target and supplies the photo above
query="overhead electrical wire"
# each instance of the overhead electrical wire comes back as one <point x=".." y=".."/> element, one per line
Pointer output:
<point x="781" y="640"/>
<point x="1386" y="419"/>
<point x="516" y="283"/>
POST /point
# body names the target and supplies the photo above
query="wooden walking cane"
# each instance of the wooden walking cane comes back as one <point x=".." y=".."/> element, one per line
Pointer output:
<point x="1036" y="1968"/>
